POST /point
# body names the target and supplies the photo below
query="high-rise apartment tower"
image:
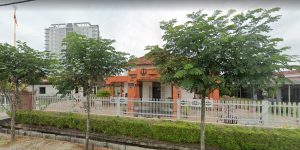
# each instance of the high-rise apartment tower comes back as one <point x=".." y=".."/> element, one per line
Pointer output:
<point x="55" y="34"/>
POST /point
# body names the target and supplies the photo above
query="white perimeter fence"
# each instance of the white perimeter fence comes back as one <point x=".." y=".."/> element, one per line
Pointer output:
<point x="4" y="104"/>
<point x="242" y="112"/>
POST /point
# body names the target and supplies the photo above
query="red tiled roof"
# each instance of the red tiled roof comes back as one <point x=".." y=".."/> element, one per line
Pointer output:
<point x="143" y="61"/>
<point x="117" y="79"/>
<point x="290" y="72"/>
<point x="293" y="75"/>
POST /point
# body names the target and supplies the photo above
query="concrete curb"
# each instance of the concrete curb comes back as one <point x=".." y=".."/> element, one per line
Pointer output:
<point x="75" y="138"/>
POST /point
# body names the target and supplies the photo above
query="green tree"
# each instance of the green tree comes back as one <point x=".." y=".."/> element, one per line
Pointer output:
<point x="19" y="66"/>
<point x="222" y="50"/>
<point x="84" y="62"/>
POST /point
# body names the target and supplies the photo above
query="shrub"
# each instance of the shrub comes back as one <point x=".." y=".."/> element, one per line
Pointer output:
<point x="103" y="93"/>
<point x="219" y="136"/>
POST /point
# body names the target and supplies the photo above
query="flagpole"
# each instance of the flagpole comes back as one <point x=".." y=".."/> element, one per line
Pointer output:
<point x="15" y="26"/>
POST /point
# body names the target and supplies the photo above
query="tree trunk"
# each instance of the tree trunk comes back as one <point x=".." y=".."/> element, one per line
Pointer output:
<point x="87" y="121"/>
<point x="13" y="113"/>
<point x="12" y="120"/>
<point x="202" y="123"/>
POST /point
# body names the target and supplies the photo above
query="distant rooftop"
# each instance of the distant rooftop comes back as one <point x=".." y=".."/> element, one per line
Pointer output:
<point x="69" y="25"/>
<point x="143" y="61"/>
<point x="291" y="73"/>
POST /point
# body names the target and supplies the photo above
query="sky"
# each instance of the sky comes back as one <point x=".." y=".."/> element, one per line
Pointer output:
<point x="134" y="24"/>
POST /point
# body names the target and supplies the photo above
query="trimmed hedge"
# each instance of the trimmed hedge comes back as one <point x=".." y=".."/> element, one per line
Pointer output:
<point x="223" y="137"/>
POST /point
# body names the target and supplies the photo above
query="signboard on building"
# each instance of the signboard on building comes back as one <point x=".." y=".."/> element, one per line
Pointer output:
<point x="122" y="100"/>
<point x="196" y="102"/>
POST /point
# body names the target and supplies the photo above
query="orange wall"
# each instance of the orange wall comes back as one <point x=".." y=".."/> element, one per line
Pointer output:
<point x="175" y="92"/>
<point x="134" y="76"/>
<point x="215" y="94"/>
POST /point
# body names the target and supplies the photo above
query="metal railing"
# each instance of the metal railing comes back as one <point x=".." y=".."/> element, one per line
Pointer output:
<point x="242" y="112"/>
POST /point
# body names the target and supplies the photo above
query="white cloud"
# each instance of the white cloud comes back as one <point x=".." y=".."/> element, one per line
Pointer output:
<point x="133" y="25"/>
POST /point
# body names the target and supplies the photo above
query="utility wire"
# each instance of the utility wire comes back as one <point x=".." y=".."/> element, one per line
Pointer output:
<point x="12" y="3"/>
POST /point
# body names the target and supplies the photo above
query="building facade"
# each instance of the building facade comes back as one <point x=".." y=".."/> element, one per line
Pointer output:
<point x="290" y="91"/>
<point x="142" y="82"/>
<point x="287" y="92"/>
<point x="45" y="88"/>
<point x="55" y="34"/>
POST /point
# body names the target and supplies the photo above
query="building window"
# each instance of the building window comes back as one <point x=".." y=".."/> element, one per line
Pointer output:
<point x="42" y="90"/>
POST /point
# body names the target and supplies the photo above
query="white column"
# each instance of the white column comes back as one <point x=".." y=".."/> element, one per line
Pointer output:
<point x="162" y="91"/>
<point x="254" y="93"/>
<point x="278" y="96"/>
<point x="5" y="100"/>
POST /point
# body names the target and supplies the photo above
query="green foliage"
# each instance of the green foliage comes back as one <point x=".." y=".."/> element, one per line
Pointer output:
<point x="103" y="93"/>
<point x="222" y="50"/>
<point x="23" y="64"/>
<point x="20" y="66"/>
<point x="85" y="61"/>
<point x="132" y="61"/>
<point x="219" y="136"/>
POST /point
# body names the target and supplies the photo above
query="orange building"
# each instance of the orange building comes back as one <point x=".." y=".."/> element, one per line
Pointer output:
<point x="142" y="81"/>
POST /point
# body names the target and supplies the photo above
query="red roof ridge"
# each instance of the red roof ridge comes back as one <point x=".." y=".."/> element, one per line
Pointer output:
<point x="143" y="61"/>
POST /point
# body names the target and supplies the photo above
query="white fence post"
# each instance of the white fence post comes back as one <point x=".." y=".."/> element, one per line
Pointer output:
<point x="265" y="112"/>
<point x="37" y="103"/>
<point x="178" y="109"/>
<point x="289" y="109"/>
<point x="118" y="106"/>
<point x="299" y="114"/>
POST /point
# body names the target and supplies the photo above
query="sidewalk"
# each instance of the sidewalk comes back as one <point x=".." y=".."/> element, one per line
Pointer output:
<point x="34" y="143"/>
